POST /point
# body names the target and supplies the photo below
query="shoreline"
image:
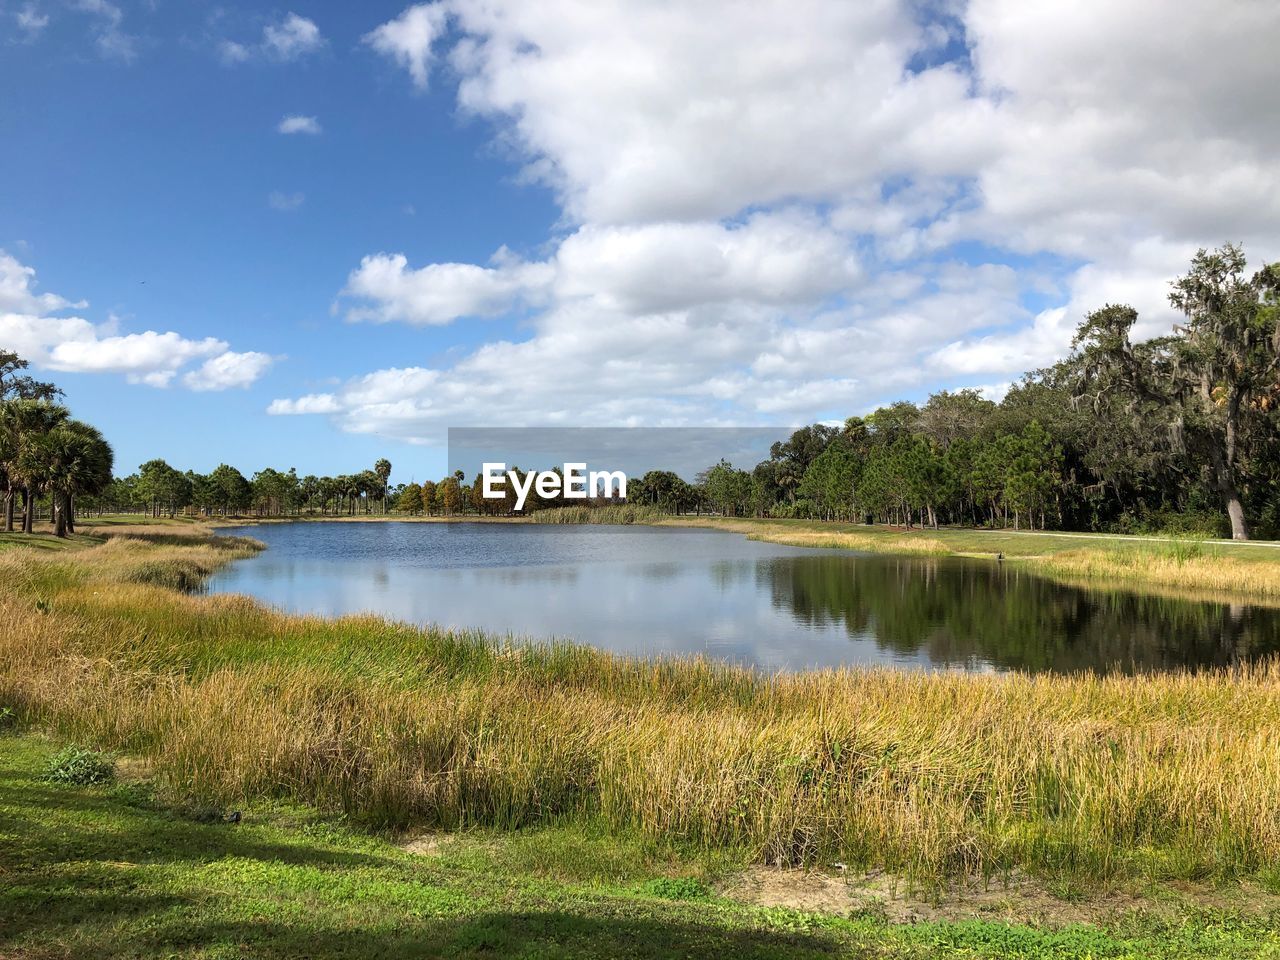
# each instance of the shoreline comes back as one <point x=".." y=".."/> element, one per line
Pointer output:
<point x="1225" y="570"/>
<point x="101" y="644"/>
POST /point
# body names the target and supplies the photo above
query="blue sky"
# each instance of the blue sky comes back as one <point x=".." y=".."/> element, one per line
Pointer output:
<point x="608" y="214"/>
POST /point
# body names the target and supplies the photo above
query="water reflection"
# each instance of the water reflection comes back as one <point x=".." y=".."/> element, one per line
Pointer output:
<point x="651" y="591"/>
<point x="963" y="612"/>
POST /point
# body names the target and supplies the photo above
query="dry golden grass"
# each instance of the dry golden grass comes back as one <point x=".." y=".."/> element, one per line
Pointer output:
<point x="1173" y="775"/>
<point x="1182" y="566"/>
<point x="842" y="538"/>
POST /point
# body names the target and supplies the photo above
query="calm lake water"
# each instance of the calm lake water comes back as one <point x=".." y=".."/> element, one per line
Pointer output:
<point x="653" y="590"/>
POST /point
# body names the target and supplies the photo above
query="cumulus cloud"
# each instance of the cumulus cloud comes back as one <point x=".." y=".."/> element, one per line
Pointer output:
<point x="408" y="39"/>
<point x="799" y="210"/>
<point x="311" y="403"/>
<point x="29" y="326"/>
<point x="777" y="259"/>
<point x="151" y="358"/>
<point x="299" y="124"/>
<point x="387" y="290"/>
<point x="292" y="38"/>
<point x="229" y="369"/>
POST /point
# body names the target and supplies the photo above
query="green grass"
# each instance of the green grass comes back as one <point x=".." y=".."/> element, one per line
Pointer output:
<point x="45" y="541"/>
<point x="113" y="871"/>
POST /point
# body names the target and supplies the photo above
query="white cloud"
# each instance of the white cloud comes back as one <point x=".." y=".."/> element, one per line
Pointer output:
<point x="109" y="36"/>
<point x="774" y="210"/>
<point x="285" y="202"/>
<point x="408" y="39"/>
<point x="232" y="52"/>
<point x="151" y="358"/>
<point x="229" y="369"/>
<point x="299" y="124"/>
<point x="781" y="258"/>
<point x="31" y="21"/>
<point x="699" y="111"/>
<point x="17" y="293"/>
<point x="292" y="38"/>
<point x="439" y="293"/>
<point x="312" y="403"/>
<point x="73" y="344"/>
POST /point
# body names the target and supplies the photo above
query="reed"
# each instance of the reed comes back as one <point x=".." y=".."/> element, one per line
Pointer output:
<point x="625" y="513"/>
<point x="931" y="774"/>
<point x="1187" y="565"/>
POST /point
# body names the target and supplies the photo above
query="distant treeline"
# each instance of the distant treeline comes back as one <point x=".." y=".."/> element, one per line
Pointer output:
<point x="1179" y="433"/>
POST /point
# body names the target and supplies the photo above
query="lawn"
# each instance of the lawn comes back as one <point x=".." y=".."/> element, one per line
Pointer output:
<point x="116" y="871"/>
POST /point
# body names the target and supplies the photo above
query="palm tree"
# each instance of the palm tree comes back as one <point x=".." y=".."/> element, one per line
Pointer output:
<point x="76" y="460"/>
<point x="24" y="424"/>
<point x="383" y="470"/>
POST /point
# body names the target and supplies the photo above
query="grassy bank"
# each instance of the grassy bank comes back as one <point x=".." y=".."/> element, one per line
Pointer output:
<point x="1080" y="780"/>
<point x="114" y="870"/>
<point x="1248" y="570"/>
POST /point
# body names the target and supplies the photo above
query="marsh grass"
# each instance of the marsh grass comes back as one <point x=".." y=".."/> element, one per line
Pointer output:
<point x="620" y="514"/>
<point x="1184" y="564"/>
<point x="1080" y="778"/>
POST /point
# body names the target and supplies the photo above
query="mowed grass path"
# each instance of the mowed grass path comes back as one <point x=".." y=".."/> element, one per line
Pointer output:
<point x="114" y="872"/>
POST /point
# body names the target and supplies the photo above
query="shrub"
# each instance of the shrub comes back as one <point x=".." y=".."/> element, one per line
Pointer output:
<point x="80" y="767"/>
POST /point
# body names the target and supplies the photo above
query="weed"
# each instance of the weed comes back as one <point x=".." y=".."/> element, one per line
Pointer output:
<point x="79" y="767"/>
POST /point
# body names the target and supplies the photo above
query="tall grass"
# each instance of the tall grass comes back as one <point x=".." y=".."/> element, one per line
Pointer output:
<point x="1174" y="775"/>
<point x="624" y="513"/>
<point x="1182" y="564"/>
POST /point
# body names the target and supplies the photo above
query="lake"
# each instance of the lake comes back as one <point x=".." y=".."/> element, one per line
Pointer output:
<point x="660" y="590"/>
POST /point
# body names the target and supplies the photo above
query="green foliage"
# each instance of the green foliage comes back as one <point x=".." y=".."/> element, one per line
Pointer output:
<point x="80" y="767"/>
<point x="112" y="873"/>
<point x="676" y="888"/>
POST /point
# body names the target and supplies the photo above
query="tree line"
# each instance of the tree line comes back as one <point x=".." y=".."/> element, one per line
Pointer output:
<point x="1178" y="433"/>
<point x="162" y="490"/>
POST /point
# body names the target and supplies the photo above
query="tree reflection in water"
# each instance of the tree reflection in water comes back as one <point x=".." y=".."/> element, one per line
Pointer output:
<point x="966" y="613"/>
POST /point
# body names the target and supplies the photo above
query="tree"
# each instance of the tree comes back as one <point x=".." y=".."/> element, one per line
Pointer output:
<point x="793" y="456"/>
<point x="382" y="469"/>
<point x="1210" y="384"/>
<point x="232" y="491"/>
<point x="831" y="482"/>
<point x="163" y="487"/>
<point x="78" y="461"/>
<point x="449" y="495"/>
<point x="949" y="417"/>
<point x="24" y="423"/>
<point x="15" y="385"/>
<point x="410" y="499"/>
<point x="728" y="489"/>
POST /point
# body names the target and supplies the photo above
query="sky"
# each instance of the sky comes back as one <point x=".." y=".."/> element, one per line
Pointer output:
<point x="317" y="234"/>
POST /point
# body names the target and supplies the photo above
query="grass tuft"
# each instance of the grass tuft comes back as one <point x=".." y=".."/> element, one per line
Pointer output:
<point x="80" y="767"/>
